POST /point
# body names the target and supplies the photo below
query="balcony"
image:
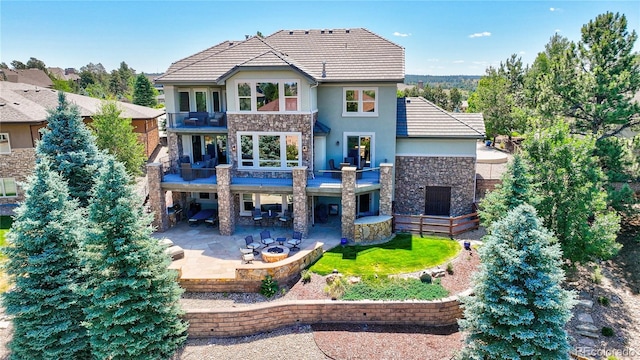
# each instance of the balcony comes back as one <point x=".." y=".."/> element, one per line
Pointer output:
<point x="197" y="120"/>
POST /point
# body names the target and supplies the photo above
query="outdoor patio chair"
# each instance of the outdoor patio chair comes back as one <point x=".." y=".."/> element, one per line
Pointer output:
<point x="295" y="241"/>
<point x="252" y="245"/>
<point x="247" y="255"/>
<point x="257" y="216"/>
<point x="265" y="238"/>
<point x="285" y="219"/>
<point x="335" y="171"/>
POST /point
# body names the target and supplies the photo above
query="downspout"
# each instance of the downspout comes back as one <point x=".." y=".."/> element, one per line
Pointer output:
<point x="311" y="148"/>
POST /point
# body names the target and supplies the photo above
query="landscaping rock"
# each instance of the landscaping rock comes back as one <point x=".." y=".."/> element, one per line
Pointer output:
<point x="176" y="252"/>
<point x="437" y="273"/>
<point x="585" y="318"/>
<point x="4" y="324"/>
<point x="332" y="277"/>
<point x="354" y="279"/>
<point x="585" y="303"/>
<point x="588" y="334"/>
<point x="587" y="342"/>
<point x="587" y="327"/>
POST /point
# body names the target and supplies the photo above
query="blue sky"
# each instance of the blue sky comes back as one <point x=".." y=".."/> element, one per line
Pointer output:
<point x="440" y="38"/>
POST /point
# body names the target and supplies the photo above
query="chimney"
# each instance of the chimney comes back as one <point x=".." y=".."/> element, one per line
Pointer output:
<point x="420" y="84"/>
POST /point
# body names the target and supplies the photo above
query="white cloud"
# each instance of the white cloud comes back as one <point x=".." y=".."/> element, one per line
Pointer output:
<point x="458" y="61"/>
<point x="482" y="34"/>
<point x="553" y="9"/>
<point x="521" y="53"/>
<point x="401" y="34"/>
<point x="558" y="30"/>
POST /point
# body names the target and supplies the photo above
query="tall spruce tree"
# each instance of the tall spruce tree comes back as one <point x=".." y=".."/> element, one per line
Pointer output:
<point x="143" y="92"/>
<point x="44" y="265"/>
<point x="70" y="149"/>
<point x="515" y="190"/>
<point x="519" y="309"/>
<point x="134" y="311"/>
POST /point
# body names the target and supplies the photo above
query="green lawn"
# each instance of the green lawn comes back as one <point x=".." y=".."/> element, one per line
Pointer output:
<point x="405" y="253"/>
<point x="5" y="225"/>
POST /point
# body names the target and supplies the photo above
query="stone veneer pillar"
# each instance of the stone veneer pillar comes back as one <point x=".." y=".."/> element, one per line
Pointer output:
<point x="226" y="218"/>
<point x="156" y="197"/>
<point x="300" y="207"/>
<point x="348" y="201"/>
<point x="386" y="189"/>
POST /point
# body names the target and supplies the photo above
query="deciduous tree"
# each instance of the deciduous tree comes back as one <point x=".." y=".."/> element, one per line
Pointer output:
<point x="134" y="311"/>
<point x="115" y="135"/>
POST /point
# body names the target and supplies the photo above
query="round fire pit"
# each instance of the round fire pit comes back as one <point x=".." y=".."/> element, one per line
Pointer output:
<point x="275" y="253"/>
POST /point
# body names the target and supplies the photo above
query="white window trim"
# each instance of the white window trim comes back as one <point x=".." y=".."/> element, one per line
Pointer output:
<point x="360" y="113"/>
<point x="257" y="203"/>
<point x="256" y="150"/>
<point x="5" y="137"/>
<point x="207" y="99"/>
<point x="372" y="151"/>
<point x="281" y="98"/>
<point x="3" y="191"/>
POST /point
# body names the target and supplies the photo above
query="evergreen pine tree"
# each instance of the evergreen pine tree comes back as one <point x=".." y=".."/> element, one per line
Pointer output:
<point x="515" y="190"/>
<point x="143" y="92"/>
<point x="70" y="149"/>
<point x="134" y="311"/>
<point x="44" y="265"/>
<point x="519" y="309"/>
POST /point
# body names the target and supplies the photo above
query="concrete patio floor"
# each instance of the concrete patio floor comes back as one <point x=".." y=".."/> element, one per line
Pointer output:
<point x="209" y="255"/>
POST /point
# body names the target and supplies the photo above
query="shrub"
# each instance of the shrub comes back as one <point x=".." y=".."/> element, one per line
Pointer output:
<point x="395" y="289"/>
<point x="596" y="277"/>
<point x="426" y="278"/>
<point x="269" y="286"/>
<point x="603" y="300"/>
<point x="306" y="276"/>
<point x="450" y="268"/>
<point x="607" y="331"/>
<point x="336" y="288"/>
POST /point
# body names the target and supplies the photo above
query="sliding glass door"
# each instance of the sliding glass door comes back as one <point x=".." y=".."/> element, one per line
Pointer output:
<point x="358" y="150"/>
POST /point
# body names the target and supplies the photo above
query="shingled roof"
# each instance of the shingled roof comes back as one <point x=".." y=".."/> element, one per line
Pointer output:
<point x="29" y="103"/>
<point x="322" y="55"/>
<point x="418" y="117"/>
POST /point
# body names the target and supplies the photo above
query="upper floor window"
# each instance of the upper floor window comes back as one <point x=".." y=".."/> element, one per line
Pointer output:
<point x="8" y="187"/>
<point x="184" y="101"/>
<point x="360" y="102"/>
<point x="264" y="150"/>
<point x="5" y="145"/>
<point x="201" y="100"/>
<point x="268" y="96"/>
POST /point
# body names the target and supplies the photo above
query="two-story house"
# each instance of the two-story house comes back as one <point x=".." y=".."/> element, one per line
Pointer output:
<point x="300" y="121"/>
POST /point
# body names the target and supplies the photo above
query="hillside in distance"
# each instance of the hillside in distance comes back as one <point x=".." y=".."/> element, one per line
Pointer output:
<point x="462" y="82"/>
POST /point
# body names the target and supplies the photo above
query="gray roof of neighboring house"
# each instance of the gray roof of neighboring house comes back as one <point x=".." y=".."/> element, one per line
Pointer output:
<point x="418" y="117"/>
<point x="28" y="76"/>
<point x="28" y="103"/>
<point x="347" y="54"/>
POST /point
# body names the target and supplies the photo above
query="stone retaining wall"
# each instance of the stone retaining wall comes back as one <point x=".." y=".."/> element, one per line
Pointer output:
<point x="249" y="276"/>
<point x="265" y="317"/>
<point x="485" y="186"/>
<point x="373" y="232"/>
<point x="18" y="165"/>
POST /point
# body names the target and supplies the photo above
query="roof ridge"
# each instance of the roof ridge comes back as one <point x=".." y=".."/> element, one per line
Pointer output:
<point x="451" y="115"/>
<point x="232" y="45"/>
<point x="381" y="37"/>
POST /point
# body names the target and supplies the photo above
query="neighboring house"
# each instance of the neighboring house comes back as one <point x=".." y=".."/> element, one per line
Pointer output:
<point x="261" y="124"/>
<point x="64" y="74"/>
<point x="23" y="112"/>
<point x="35" y="77"/>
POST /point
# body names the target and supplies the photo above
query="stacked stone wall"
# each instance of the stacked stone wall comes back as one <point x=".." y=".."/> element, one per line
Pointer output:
<point x="18" y="165"/>
<point x="414" y="173"/>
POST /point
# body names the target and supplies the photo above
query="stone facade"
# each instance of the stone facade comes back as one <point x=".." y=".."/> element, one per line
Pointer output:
<point x="273" y="123"/>
<point x="226" y="203"/>
<point x="157" y="197"/>
<point x="414" y="173"/>
<point x="348" y="201"/>
<point x="300" y="212"/>
<point x="386" y="189"/>
<point x="375" y="230"/>
<point x="18" y="165"/>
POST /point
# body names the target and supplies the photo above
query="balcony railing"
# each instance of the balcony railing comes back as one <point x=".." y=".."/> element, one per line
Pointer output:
<point x="196" y="119"/>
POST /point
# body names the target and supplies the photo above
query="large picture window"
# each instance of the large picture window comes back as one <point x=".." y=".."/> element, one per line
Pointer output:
<point x="8" y="187"/>
<point x="360" y="102"/>
<point x="5" y="145"/>
<point x="272" y="96"/>
<point x="267" y="150"/>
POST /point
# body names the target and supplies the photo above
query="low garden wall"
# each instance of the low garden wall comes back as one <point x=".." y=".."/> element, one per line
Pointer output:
<point x="248" y="277"/>
<point x="258" y="318"/>
<point x="372" y="229"/>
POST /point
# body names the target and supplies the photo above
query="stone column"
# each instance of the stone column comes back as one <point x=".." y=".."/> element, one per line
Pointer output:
<point x="348" y="201"/>
<point x="226" y="215"/>
<point x="300" y="208"/>
<point x="386" y="188"/>
<point x="156" y="197"/>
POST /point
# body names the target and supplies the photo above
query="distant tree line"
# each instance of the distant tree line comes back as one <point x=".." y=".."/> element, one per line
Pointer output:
<point x="450" y="100"/>
<point x="122" y="84"/>
<point x="462" y="82"/>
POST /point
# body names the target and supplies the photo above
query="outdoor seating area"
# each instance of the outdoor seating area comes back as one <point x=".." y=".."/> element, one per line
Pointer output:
<point x="271" y="252"/>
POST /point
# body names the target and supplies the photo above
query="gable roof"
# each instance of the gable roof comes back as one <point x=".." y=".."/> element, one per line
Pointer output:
<point x="322" y="55"/>
<point x="417" y="117"/>
<point x="28" y="76"/>
<point x="29" y="103"/>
